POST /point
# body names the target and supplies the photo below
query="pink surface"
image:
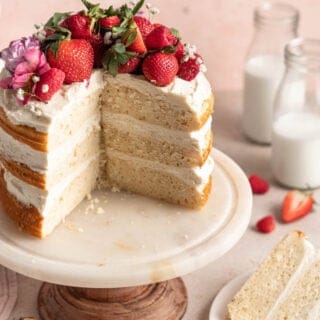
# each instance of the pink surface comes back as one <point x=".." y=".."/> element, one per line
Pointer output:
<point x="221" y="29"/>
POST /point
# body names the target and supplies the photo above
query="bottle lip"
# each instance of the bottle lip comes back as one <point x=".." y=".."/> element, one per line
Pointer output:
<point x="276" y="13"/>
<point x="304" y="53"/>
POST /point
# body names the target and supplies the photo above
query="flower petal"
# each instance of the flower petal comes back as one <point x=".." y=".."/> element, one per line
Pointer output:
<point x="6" y="83"/>
<point x="19" y="81"/>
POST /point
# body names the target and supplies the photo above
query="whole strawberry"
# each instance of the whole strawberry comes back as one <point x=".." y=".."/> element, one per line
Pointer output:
<point x="131" y="66"/>
<point x="109" y="22"/>
<point x="50" y="82"/>
<point x="160" y="68"/>
<point x="97" y="43"/>
<point x="79" y="25"/>
<point x="179" y="52"/>
<point x="258" y="184"/>
<point x="144" y="25"/>
<point x="159" y="38"/>
<point x="74" y="57"/>
<point x="266" y="224"/>
<point x="189" y="69"/>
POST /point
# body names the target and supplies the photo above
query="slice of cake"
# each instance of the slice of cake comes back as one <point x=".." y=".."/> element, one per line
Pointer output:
<point x="286" y="286"/>
<point x="140" y="121"/>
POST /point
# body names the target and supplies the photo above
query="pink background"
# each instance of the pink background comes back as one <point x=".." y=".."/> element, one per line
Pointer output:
<point x="221" y="29"/>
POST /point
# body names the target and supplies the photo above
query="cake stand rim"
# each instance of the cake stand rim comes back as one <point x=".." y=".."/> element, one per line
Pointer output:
<point x="193" y="261"/>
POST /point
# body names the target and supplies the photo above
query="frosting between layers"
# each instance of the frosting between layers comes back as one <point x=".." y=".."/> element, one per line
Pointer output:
<point x="39" y="198"/>
<point x="38" y="161"/>
<point x="186" y="139"/>
<point x="180" y="93"/>
<point x="197" y="177"/>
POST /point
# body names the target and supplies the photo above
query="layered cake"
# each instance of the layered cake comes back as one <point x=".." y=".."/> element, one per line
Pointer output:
<point x="102" y="98"/>
<point x="285" y="287"/>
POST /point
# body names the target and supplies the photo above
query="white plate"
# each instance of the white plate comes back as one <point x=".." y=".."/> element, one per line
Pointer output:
<point x="137" y="240"/>
<point x="219" y="306"/>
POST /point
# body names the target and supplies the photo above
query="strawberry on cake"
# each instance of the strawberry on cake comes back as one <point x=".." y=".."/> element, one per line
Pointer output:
<point x="101" y="98"/>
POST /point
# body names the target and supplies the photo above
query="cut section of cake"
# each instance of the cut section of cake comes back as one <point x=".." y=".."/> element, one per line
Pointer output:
<point x="285" y="286"/>
<point x="147" y="132"/>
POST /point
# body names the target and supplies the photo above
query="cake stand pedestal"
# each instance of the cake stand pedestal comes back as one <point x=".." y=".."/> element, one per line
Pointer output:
<point x="115" y="256"/>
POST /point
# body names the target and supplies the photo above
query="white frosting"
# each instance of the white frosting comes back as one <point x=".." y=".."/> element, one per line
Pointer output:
<point x="197" y="177"/>
<point x="181" y="93"/>
<point x="41" y="199"/>
<point x="38" y="161"/>
<point x="197" y="139"/>
<point x="40" y="115"/>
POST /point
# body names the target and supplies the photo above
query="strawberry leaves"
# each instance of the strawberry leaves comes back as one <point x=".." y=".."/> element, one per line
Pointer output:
<point x="116" y="56"/>
<point x="58" y="32"/>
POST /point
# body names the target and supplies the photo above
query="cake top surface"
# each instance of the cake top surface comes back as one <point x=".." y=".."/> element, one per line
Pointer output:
<point x="69" y="46"/>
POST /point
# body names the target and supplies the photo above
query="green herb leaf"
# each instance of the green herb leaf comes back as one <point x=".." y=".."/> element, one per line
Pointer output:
<point x="137" y="7"/>
<point x="169" y="49"/>
<point x="175" y="32"/>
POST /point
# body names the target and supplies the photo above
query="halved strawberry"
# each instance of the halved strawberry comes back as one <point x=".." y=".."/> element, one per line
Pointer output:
<point x="131" y="66"/>
<point x="144" y="25"/>
<point x="109" y="22"/>
<point x="296" y="205"/>
<point x="50" y="82"/>
<point x="266" y="224"/>
<point x="138" y="44"/>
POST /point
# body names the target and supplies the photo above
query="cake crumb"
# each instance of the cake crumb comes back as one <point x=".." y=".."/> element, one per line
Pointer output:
<point x="102" y="264"/>
<point x="73" y="227"/>
<point x="89" y="196"/>
<point x="96" y="200"/>
<point x="101" y="210"/>
<point x="115" y="189"/>
<point x="186" y="236"/>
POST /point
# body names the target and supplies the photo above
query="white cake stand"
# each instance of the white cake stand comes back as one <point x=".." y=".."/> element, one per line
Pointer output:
<point x="128" y="247"/>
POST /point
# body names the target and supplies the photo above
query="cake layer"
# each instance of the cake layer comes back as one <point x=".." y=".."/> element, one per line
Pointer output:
<point x="153" y="142"/>
<point x="268" y="288"/>
<point x="71" y="101"/>
<point x="303" y="302"/>
<point x="182" y="186"/>
<point x="182" y="105"/>
<point x="34" y="210"/>
<point x="79" y="152"/>
<point x="13" y="150"/>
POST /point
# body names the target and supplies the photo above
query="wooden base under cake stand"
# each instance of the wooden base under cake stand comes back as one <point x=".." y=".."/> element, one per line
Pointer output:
<point x="136" y="245"/>
<point x="165" y="300"/>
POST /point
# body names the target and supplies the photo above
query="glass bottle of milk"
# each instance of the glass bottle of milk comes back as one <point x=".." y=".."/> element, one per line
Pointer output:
<point x="296" y="126"/>
<point x="275" y="25"/>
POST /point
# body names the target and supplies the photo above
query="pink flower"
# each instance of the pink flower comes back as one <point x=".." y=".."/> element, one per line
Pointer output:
<point x="33" y="63"/>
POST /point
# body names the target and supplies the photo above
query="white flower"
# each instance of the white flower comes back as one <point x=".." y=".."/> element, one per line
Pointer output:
<point x="20" y="94"/>
<point x="203" y="68"/>
<point x="35" y="79"/>
<point x="45" y="88"/>
<point x="133" y="2"/>
<point x="154" y="11"/>
<point x="107" y="38"/>
<point x="148" y="6"/>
